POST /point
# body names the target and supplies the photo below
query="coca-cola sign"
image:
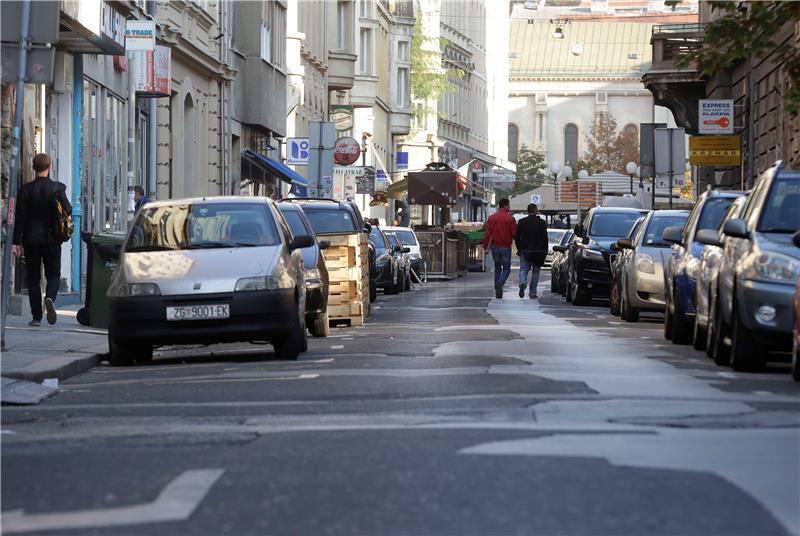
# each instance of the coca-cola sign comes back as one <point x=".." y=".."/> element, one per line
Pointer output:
<point x="346" y="151"/>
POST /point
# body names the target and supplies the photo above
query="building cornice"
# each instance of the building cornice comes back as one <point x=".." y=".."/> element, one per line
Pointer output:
<point x="186" y="51"/>
<point x="574" y="78"/>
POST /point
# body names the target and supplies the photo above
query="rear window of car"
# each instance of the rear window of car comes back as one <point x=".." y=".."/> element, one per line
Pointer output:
<point x="203" y="226"/>
<point x="328" y="221"/>
<point x="655" y="229"/>
<point x="377" y="239"/>
<point x="713" y="212"/>
<point x="555" y="236"/>
<point x="406" y="237"/>
<point x="781" y="212"/>
<point x="613" y="224"/>
<point x="296" y="224"/>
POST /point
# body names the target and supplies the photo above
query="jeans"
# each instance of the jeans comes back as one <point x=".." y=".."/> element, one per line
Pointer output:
<point x="524" y="267"/>
<point x="35" y="255"/>
<point x="502" y="264"/>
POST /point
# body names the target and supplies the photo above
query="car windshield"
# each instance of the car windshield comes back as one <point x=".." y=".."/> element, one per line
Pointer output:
<point x="295" y="222"/>
<point x="327" y="221"/>
<point x="406" y="237"/>
<point x="652" y="236"/>
<point x="202" y="226"/>
<point x="781" y="212"/>
<point x="377" y="239"/>
<point x="713" y="212"/>
<point x="567" y="237"/>
<point x="554" y="237"/>
<point x="613" y="224"/>
<point x="392" y="239"/>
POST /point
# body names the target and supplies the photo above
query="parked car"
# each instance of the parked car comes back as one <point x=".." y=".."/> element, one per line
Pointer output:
<point x="554" y="237"/>
<point x="207" y="271"/>
<point x="331" y="217"/>
<point x="590" y="257"/>
<point x="642" y="274"/>
<point x="617" y="263"/>
<point x="712" y="239"/>
<point x="316" y="273"/>
<point x="759" y="272"/>
<point x="408" y="238"/>
<point x="386" y="266"/>
<point x="403" y="262"/>
<point x="796" y="331"/>
<point x="684" y="263"/>
<point x="558" y="268"/>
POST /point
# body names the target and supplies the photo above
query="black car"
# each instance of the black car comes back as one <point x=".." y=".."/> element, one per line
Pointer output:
<point x="590" y="257"/>
<point x="316" y="273"/>
<point x="558" y="267"/>
<point x="387" y="269"/>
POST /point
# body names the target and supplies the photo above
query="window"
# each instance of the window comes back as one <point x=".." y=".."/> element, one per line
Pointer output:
<point x="365" y="52"/>
<point x="402" y="87"/>
<point x="366" y="9"/>
<point x="266" y="41"/>
<point x="513" y="142"/>
<point x="540" y="126"/>
<point x="341" y="25"/>
<point x="570" y="143"/>
<point x="402" y="50"/>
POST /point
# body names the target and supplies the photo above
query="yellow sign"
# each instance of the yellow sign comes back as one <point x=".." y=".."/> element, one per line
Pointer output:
<point x="715" y="150"/>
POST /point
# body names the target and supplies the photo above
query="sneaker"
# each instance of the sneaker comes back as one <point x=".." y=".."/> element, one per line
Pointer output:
<point x="498" y="291"/>
<point x="51" y="311"/>
<point x="533" y="296"/>
<point x="522" y="291"/>
<point x="35" y="323"/>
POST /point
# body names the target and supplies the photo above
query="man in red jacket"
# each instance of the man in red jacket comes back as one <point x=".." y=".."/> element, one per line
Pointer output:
<point x="501" y="227"/>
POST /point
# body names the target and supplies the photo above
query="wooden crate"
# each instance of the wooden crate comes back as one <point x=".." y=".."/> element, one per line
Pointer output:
<point x="347" y="261"/>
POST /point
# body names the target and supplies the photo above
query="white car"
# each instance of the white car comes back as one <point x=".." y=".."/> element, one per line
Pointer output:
<point x="409" y="239"/>
<point x="554" y="237"/>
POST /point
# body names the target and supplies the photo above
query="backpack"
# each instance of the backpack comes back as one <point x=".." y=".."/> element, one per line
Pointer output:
<point x="62" y="221"/>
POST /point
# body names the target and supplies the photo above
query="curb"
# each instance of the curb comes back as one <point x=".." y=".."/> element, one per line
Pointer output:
<point x="61" y="367"/>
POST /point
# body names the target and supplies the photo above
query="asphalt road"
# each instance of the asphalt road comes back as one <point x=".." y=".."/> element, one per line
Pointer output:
<point x="449" y="413"/>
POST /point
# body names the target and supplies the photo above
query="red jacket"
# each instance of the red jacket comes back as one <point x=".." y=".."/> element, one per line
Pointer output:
<point x="501" y="228"/>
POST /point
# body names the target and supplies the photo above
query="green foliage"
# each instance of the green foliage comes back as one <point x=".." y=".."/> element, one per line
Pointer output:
<point x="737" y="34"/>
<point x="607" y="149"/>
<point x="531" y="171"/>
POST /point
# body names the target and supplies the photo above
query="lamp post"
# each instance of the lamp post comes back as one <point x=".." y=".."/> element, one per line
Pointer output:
<point x="631" y="169"/>
<point x="567" y="172"/>
<point x="639" y="174"/>
<point x="555" y="167"/>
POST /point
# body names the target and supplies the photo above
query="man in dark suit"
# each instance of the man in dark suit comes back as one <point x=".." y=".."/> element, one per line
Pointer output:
<point x="532" y="244"/>
<point x="34" y="230"/>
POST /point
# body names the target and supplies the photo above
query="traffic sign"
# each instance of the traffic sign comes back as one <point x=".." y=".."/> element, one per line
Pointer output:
<point x="715" y="150"/>
<point x="297" y="151"/>
<point x="536" y="199"/>
<point x="715" y="116"/>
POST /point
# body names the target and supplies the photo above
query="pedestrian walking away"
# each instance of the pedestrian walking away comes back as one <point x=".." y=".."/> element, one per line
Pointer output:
<point x="139" y="197"/>
<point x="501" y="227"/>
<point x="532" y="244"/>
<point x="36" y="231"/>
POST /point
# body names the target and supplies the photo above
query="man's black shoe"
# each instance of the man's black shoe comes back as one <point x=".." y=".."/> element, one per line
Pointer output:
<point x="498" y="291"/>
<point x="522" y="291"/>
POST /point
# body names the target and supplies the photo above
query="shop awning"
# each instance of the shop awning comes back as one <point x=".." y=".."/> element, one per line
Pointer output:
<point x="274" y="167"/>
<point x="397" y="189"/>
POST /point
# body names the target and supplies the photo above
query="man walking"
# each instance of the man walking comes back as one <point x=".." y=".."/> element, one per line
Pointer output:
<point x="532" y="244"/>
<point x="500" y="230"/>
<point x="139" y="198"/>
<point x="35" y="231"/>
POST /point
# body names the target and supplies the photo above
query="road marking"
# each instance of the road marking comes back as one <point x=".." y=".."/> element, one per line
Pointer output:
<point x="176" y="502"/>
<point x="727" y="375"/>
<point x="337" y="347"/>
<point x="763" y="393"/>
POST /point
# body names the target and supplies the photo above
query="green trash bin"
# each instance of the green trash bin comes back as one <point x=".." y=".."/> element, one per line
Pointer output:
<point x="104" y="254"/>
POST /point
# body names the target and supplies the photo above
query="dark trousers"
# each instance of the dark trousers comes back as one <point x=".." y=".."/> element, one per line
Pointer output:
<point x="35" y="255"/>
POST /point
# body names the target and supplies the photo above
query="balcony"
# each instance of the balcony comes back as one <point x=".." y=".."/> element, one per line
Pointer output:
<point x="341" y="70"/>
<point x="673" y="87"/>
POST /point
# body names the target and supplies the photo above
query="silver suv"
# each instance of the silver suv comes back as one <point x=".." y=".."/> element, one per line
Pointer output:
<point x="758" y="273"/>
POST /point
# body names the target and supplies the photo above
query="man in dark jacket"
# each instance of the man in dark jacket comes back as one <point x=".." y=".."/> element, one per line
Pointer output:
<point x="500" y="230"/>
<point x="139" y="197"/>
<point x="34" y="230"/>
<point x="532" y="244"/>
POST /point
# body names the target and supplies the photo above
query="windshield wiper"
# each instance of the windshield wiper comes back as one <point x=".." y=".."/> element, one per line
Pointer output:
<point x="138" y="249"/>
<point x="777" y="230"/>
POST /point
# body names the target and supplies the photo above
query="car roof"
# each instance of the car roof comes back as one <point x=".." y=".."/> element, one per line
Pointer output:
<point x="621" y="210"/>
<point x="722" y="193"/>
<point x="209" y="200"/>
<point x="669" y="212"/>
<point x="395" y="228"/>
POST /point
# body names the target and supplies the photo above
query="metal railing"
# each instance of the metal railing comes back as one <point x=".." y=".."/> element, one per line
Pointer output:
<point x="671" y="41"/>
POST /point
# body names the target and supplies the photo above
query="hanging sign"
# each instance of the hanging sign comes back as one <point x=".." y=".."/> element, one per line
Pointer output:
<point x="346" y="151"/>
<point x="715" y="116"/>
<point x="140" y="35"/>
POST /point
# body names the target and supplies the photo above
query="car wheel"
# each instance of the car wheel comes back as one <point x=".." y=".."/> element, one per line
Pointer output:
<point x="373" y="291"/>
<point x="699" y="337"/>
<point x="710" y="333"/>
<point x="614" y="302"/>
<point x="795" y="359"/>
<point x="304" y="343"/>
<point x="291" y="344"/>
<point x="668" y="318"/>
<point x="320" y="326"/>
<point x="745" y="355"/>
<point x="720" y="353"/>
<point x="629" y="313"/>
<point x="120" y="355"/>
<point x="580" y="297"/>
<point x="553" y="282"/>
<point x="680" y="326"/>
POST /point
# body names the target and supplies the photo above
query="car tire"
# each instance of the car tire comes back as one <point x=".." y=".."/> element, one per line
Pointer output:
<point x="580" y="297"/>
<point x="680" y="326"/>
<point x="720" y="353"/>
<point x="373" y="291"/>
<point x="122" y="355"/>
<point x="745" y="354"/>
<point x="320" y="326"/>
<point x="304" y="343"/>
<point x="795" y="359"/>
<point x="710" y="331"/>
<point x="614" y="302"/>
<point x="290" y="345"/>
<point x="629" y="313"/>
<point x="553" y="282"/>
<point x="668" y="319"/>
<point x="699" y="337"/>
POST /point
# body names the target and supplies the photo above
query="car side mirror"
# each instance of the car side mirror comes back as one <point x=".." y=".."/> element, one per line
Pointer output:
<point x="302" y="241"/>
<point x="560" y="249"/>
<point x="736" y="228"/>
<point x="672" y="235"/>
<point x="324" y="244"/>
<point x="615" y="247"/>
<point x="708" y="237"/>
<point x="406" y="250"/>
<point x="796" y="239"/>
<point x="625" y="243"/>
<point x="397" y="249"/>
<point x="367" y="228"/>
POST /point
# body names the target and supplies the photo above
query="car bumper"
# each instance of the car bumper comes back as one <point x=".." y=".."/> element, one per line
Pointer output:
<point x="595" y="277"/>
<point x="256" y="315"/>
<point x="752" y="295"/>
<point x="646" y="291"/>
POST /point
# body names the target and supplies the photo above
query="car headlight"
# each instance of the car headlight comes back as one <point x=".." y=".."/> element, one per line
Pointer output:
<point x="415" y="256"/>
<point x="133" y="289"/>
<point x="644" y="263"/>
<point x="247" y="284"/>
<point x="313" y="276"/>
<point x="777" y="267"/>
<point x="592" y="254"/>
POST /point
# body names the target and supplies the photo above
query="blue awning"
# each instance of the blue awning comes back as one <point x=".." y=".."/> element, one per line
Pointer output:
<point x="278" y="169"/>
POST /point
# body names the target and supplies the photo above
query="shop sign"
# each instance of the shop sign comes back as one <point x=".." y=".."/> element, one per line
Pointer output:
<point x="140" y="35"/>
<point x="716" y="116"/>
<point x="346" y="151"/>
<point x="341" y="116"/>
<point x="114" y="25"/>
<point x="355" y="179"/>
<point x="715" y="150"/>
<point x="402" y="160"/>
<point x="152" y="72"/>
<point x="297" y="151"/>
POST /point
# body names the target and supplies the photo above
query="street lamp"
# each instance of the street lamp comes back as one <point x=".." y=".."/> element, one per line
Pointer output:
<point x="567" y="172"/>
<point x="631" y="169"/>
<point x="555" y="167"/>
<point x="583" y="174"/>
<point x="639" y="174"/>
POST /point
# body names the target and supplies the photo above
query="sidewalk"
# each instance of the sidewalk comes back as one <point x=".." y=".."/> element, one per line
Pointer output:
<point x="59" y="351"/>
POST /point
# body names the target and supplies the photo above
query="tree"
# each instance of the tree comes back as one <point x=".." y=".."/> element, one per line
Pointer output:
<point x="735" y="35"/>
<point x="531" y="172"/>
<point x="607" y="149"/>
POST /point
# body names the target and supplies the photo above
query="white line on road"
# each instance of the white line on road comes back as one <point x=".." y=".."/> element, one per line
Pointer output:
<point x="176" y="502"/>
<point x="337" y="347"/>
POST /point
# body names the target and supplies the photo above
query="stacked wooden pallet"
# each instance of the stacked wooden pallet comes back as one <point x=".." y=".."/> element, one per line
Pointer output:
<point x="347" y="261"/>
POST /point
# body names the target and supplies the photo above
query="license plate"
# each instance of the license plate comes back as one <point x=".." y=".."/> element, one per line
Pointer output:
<point x="199" y="312"/>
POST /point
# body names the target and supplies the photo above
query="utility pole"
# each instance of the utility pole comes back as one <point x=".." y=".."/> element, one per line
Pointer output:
<point x="13" y="179"/>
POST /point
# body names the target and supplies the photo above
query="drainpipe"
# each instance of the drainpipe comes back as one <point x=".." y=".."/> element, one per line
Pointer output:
<point x="77" y="139"/>
<point x="751" y="126"/>
<point x="152" y="129"/>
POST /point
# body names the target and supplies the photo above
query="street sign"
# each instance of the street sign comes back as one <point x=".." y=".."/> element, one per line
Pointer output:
<point x="536" y="199"/>
<point x="39" y="65"/>
<point x="670" y="152"/>
<point x="297" y="151"/>
<point x="647" y="147"/>
<point x="715" y="116"/>
<point x="320" y="160"/>
<point x="44" y="22"/>
<point x="140" y="35"/>
<point x="715" y="150"/>
<point x="402" y="160"/>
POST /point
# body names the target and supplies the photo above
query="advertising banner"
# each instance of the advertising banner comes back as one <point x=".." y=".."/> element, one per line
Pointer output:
<point x="715" y="116"/>
<point x="152" y="72"/>
<point x="715" y="150"/>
